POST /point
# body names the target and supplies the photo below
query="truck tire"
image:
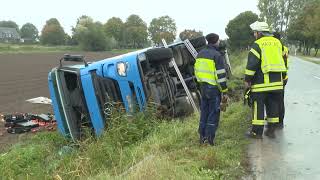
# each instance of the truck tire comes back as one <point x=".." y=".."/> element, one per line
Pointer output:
<point x="198" y="42"/>
<point x="159" y="55"/>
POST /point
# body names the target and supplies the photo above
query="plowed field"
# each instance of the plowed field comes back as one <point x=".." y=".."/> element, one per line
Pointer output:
<point x="25" y="76"/>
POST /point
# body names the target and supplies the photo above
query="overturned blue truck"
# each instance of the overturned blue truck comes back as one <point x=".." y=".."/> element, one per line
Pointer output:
<point x="83" y="96"/>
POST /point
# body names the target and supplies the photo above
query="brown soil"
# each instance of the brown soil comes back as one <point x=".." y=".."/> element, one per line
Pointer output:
<point x="25" y="76"/>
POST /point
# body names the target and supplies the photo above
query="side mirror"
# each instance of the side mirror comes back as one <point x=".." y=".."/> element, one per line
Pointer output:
<point x="74" y="58"/>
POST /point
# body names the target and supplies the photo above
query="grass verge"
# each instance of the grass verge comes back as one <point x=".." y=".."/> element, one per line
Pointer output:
<point x="33" y="48"/>
<point x="36" y="48"/>
<point x="139" y="147"/>
<point x="310" y="59"/>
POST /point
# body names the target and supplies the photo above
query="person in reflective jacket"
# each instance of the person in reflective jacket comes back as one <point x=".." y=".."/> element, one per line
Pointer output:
<point x="211" y="75"/>
<point x="285" y="55"/>
<point x="264" y="75"/>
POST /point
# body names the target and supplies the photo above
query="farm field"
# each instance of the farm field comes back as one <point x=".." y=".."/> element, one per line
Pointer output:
<point x="25" y="76"/>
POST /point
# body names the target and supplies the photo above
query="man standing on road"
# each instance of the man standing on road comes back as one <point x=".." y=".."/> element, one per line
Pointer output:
<point x="285" y="55"/>
<point x="264" y="76"/>
<point x="211" y="74"/>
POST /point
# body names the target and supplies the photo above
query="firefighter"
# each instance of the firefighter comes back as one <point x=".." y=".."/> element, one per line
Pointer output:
<point x="285" y="55"/>
<point x="211" y="75"/>
<point x="264" y="75"/>
<point x="224" y="53"/>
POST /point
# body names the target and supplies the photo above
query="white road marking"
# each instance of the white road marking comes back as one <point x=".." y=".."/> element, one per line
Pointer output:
<point x="316" y="77"/>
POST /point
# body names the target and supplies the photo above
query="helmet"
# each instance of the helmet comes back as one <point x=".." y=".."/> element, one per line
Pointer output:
<point x="260" y="26"/>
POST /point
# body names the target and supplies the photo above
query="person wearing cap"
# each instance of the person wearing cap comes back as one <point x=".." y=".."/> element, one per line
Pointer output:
<point x="264" y="75"/>
<point x="285" y="55"/>
<point x="211" y="75"/>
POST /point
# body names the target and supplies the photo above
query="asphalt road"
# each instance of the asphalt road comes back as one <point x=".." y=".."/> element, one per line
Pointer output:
<point x="295" y="153"/>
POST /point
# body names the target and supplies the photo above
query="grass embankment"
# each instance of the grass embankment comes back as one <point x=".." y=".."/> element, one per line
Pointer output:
<point x="36" y="48"/>
<point x="310" y="59"/>
<point x="140" y="147"/>
<point x="33" y="48"/>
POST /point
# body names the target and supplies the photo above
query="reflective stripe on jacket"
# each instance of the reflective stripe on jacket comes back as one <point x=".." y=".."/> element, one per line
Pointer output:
<point x="271" y="55"/>
<point x="286" y="60"/>
<point x="209" y="68"/>
<point x="205" y="71"/>
<point x="265" y="68"/>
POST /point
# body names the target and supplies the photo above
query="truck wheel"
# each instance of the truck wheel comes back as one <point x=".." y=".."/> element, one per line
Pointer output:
<point x="198" y="42"/>
<point x="159" y="55"/>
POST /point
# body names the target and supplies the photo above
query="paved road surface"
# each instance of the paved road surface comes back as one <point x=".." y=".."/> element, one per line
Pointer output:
<point x="295" y="153"/>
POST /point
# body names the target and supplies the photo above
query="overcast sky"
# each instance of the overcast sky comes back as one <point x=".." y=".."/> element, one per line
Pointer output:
<point x="205" y="15"/>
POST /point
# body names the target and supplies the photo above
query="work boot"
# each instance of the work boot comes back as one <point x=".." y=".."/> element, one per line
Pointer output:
<point x="211" y="141"/>
<point x="251" y="134"/>
<point x="202" y="140"/>
<point x="279" y="126"/>
<point x="270" y="133"/>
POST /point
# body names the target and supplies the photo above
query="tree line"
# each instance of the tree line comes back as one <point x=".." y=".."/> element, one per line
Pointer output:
<point x="96" y="36"/>
<point x="298" y="22"/>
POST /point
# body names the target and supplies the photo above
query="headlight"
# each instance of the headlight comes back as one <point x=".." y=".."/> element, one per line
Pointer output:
<point x="122" y="68"/>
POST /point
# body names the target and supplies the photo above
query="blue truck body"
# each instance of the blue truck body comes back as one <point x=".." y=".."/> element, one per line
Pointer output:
<point x="85" y="95"/>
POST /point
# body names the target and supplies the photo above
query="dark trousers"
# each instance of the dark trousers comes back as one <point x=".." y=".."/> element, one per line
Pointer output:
<point x="281" y="109"/>
<point x="210" y="112"/>
<point x="268" y="102"/>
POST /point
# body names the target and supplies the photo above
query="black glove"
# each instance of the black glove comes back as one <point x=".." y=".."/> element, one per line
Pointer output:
<point x="247" y="97"/>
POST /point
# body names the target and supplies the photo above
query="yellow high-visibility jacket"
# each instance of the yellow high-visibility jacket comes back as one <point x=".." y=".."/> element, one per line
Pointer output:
<point x="209" y="68"/>
<point x="266" y="68"/>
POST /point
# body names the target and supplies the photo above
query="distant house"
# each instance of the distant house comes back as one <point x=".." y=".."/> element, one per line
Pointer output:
<point x="27" y="40"/>
<point x="9" y="35"/>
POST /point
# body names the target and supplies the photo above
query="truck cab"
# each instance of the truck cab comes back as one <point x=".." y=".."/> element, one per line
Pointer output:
<point x="85" y="95"/>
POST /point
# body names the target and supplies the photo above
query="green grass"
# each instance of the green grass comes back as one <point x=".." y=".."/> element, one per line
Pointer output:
<point x="310" y="59"/>
<point x="238" y="62"/>
<point x="36" y="48"/>
<point x="235" y="84"/>
<point x="138" y="147"/>
<point x="33" y="48"/>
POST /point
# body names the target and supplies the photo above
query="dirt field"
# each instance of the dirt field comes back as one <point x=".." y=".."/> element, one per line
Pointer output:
<point x="25" y="76"/>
